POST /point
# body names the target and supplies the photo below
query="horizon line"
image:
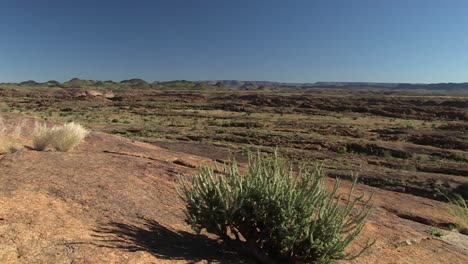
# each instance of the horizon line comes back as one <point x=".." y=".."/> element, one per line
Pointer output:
<point x="238" y="80"/>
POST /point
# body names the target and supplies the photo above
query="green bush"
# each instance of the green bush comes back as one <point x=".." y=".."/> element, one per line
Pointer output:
<point x="274" y="214"/>
<point x="435" y="232"/>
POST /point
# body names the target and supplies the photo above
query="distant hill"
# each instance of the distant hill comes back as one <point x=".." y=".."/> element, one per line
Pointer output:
<point x="133" y="83"/>
<point x="29" y="83"/>
<point x="435" y="86"/>
<point x="242" y="85"/>
<point x="234" y="84"/>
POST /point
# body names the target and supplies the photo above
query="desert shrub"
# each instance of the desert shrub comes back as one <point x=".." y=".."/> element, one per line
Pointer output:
<point x="8" y="144"/>
<point x="273" y="213"/>
<point x="4" y="107"/>
<point x="41" y="136"/>
<point x="458" y="157"/>
<point x="359" y="134"/>
<point x="435" y="232"/>
<point x="458" y="208"/>
<point x="10" y="137"/>
<point x="68" y="136"/>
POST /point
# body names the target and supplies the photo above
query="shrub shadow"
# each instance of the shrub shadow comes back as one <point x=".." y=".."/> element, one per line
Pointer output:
<point x="162" y="242"/>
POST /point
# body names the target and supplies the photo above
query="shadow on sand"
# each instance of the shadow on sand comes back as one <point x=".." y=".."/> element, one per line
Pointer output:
<point x="162" y="242"/>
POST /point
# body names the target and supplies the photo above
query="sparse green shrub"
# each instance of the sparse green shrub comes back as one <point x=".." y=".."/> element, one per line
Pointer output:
<point x="359" y="134"/>
<point x="435" y="232"/>
<point x="339" y="149"/>
<point x="387" y="153"/>
<point x="4" y="107"/>
<point x="458" y="157"/>
<point x="68" y="136"/>
<point x="375" y="150"/>
<point x="273" y="213"/>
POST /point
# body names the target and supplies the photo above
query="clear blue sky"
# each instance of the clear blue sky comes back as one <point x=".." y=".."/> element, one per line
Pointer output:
<point x="277" y="40"/>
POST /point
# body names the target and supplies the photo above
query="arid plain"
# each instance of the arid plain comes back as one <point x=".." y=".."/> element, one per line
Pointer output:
<point x="408" y="147"/>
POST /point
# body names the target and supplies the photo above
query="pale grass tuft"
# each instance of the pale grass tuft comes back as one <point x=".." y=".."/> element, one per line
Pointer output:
<point x="8" y="144"/>
<point x="41" y="136"/>
<point x="10" y="138"/>
<point x="459" y="210"/>
<point x="68" y="136"/>
<point x="2" y="127"/>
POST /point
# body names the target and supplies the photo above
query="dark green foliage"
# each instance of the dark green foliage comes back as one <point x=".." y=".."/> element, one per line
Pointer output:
<point x="435" y="232"/>
<point x="458" y="157"/>
<point x="462" y="190"/>
<point x="274" y="213"/>
<point x="375" y="150"/>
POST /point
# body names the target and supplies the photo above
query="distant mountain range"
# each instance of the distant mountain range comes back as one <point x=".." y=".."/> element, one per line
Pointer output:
<point x="343" y="85"/>
<point x="243" y="85"/>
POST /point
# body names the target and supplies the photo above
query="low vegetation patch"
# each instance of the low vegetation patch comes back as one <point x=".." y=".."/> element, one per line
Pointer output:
<point x="274" y="214"/>
<point x="458" y="208"/>
<point x="62" y="138"/>
<point x="375" y="150"/>
<point x="8" y="144"/>
<point x="10" y="137"/>
<point x="435" y="232"/>
<point x="41" y="137"/>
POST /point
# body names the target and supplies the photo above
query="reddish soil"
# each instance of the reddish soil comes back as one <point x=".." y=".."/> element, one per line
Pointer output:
<point x="113" y="200"/>
<point x="413" y="142"/>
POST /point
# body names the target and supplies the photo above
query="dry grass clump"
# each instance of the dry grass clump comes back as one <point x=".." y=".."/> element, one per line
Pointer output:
<point x="68" y="136"/>
<point x="62" y="138"/>
<point x="8" y="144"/>
<point x="10" y="137"/>
<point x="459" y="210"/>
<point x="41" y="136"/>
